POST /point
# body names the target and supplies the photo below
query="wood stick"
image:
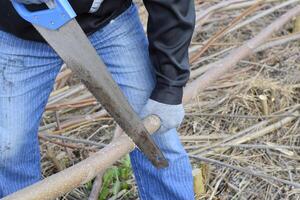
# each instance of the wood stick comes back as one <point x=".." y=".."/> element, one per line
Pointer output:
<point x="84" y="102"/>
<point x="220" y="33"/>
<point x="246" y="4"/>
<point x="247" y="171"/>
<point x="254" y="135"/>
<point x="80" y="141"/>
<point x="278" y="41"/>
<point x="58" y="184"/>
<point x="263" y="131"/>
<point x="204" y="13"/>
<point x="244" y="132"/>
<point x="222" y="66"/>
<point x="94" y="195"/>
<point x="262" y="14"/>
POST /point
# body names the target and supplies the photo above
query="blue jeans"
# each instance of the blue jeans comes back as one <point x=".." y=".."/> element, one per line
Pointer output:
<point x="27" y="74"/>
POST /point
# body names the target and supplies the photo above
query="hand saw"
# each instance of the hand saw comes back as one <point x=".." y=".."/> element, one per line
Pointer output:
<point x="59" y="28"/>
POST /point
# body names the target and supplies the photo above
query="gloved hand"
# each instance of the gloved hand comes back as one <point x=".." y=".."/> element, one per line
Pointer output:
<point x="32" y="1"/>
<point x="171" y="116"/>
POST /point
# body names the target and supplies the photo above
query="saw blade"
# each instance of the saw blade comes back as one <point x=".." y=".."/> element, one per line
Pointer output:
<point x="73" y="46"/>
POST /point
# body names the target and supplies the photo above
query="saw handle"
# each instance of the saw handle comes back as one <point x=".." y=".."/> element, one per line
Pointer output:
<point x="61" y="13"/>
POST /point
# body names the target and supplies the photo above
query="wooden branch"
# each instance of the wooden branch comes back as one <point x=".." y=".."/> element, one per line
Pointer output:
<point x="204" y="13"/>
<point x="242" y="133"/>
<point x="276" y="42"/>
<point x="96" y="187"/>
<point x="251" y="136"/>
<point x="219" y="68"/>
<point x="247" y="171"/>
<point x="220" y="33"/>
<point x="279" y="41"/>
<point x="64" y="181"/>
<point x="264" y="131"/>
<point x="263" y="14"/>
<point x="74" y="140"/>
<point x="246" y="4"/>
<point x="79" y="104"/>
<point x="58" y="184"/>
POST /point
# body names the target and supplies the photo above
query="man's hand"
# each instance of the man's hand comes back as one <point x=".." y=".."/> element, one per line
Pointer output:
<point x="33" y="1"/>
<point x="171" y="116"/>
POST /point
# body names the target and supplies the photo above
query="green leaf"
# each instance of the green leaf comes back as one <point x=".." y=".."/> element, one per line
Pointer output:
<point x="89" y="185"/>
<point x="126" y="162"/>
<point x="104" y="194"/>
<point x="125" y="186"/>
<point x="116" y="188"/>
<point x="108" y="177"/>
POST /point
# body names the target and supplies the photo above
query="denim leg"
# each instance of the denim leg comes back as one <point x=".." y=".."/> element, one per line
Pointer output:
<point x="123" y="47"/>
<point x="27" y="74"/>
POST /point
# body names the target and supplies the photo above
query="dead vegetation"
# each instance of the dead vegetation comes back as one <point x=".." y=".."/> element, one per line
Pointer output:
<point x="241" y="132"/>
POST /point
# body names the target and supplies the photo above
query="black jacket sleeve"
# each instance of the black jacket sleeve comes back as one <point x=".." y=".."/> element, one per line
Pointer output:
<point x="170" y="28"/>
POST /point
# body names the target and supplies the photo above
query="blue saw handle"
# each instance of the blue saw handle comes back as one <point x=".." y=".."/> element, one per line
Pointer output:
<point x="52" y="18"/>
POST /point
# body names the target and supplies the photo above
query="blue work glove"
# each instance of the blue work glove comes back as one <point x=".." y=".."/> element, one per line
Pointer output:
<point x="171" y="116"/>
<point x="32" y="1"/>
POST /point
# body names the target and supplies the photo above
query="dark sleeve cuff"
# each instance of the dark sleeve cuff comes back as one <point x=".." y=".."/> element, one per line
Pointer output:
<point x="167" y="94"/>
<point x="80" y="7"/>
